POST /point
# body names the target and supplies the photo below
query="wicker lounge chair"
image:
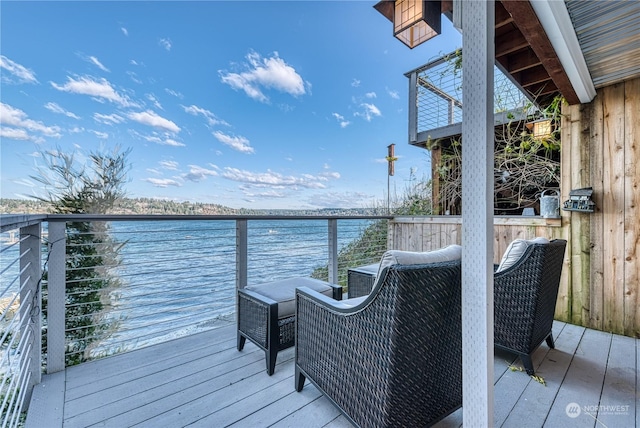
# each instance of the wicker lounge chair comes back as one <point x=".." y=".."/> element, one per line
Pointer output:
<point x="392" y="358"/>
<point x="525" y="291"/>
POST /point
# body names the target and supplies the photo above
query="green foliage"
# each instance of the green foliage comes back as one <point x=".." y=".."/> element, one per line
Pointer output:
<point x="93" y="187"/>
<point x="524" y="164"/>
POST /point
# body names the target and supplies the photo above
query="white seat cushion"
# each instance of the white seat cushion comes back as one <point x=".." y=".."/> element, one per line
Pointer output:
<point x="284" y="292"/>
<point x="397" y="257"/>
<point x="516" y="249"/>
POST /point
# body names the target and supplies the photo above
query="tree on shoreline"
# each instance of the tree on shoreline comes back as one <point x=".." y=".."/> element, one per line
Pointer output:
<point x="93" y="187"/>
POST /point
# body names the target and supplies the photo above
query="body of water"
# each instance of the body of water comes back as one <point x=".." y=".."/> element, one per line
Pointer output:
<point x="177" y="277"/>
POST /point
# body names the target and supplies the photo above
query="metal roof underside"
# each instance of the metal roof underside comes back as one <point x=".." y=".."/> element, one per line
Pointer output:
<point x="609" y="35"/>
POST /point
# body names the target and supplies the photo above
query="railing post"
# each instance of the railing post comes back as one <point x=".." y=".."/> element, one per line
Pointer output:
<point x="31" y="301"/>
<point x="241" y="253"/>
<point x="333" y="251"/>
<point x="413" y="107"/>
<point x="56" y="297"/>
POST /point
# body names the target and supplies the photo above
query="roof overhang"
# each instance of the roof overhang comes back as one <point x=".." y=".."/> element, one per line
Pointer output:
<point x="555" y="20"/>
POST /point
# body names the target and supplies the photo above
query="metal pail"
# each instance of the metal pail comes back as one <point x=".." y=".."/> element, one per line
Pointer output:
<point x="550" y="204"/>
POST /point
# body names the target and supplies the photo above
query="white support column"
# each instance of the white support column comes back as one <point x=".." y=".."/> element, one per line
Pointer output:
<point x="477" y="212"/>
<point x="56" y="297"/>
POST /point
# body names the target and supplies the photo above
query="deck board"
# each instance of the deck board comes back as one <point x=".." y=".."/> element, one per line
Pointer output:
<point x="203" y="381"/>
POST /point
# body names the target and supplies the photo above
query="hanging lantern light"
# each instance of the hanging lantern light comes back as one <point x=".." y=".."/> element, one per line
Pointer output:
<point x="414" y="21"/>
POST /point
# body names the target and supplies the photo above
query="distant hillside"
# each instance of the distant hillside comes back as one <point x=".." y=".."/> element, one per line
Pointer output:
<point x="158" y="206"/>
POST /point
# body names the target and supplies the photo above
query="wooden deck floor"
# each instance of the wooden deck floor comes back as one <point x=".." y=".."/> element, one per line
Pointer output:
<point x="203" y="381"/>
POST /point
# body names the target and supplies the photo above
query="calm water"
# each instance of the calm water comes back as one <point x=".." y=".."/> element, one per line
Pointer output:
<point x="177" y="277"/>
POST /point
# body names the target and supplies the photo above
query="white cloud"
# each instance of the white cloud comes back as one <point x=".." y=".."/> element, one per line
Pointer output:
<point x="265" y="73"/>
<point x="170" y="165"/>
<point x="165" y="43"/>
<point x="124" y="31"/>
<point x="95" y="61"/>
<point x="343" y="123"/>
<point x="101" y="135"/>
<point x="240" y="143"/>
<point x="174" y="93"/>
<point x="154" y="101"/>
<point x="355" y="83"/>
<point x="368" y="111"/>
<point x="171" y="142"/>
<point x="339" y="200"/>
<point x="197" y="173"/>
<point x="370" y="95"/>
<point x="19" y="73"/>
<point x="54" y="107"/>
<point x="393" y="94"/>
<point x="17" y="118"/>
<point x="163" y="139"/>
<point x="274" y="179"/>
<point x="212" y="119"/>
<point x="134" y="77"/>
<point x="162" y="182"/>
<point x="98" y="88"/>
<point x="151" y="118"/>
<point x="14" y="134"/>
<point x="108" y="119"/>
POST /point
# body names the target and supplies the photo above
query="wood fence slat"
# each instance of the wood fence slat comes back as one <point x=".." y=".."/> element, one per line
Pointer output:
<point x="596" y="148"/>
<point x="632" y="205"/>
<point x="613" y="208"/>
<point x="563" y="304"/>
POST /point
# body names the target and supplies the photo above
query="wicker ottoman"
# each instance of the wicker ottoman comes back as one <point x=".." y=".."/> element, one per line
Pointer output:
<point x="266" y="313"/>
<point x="360" y="280"/>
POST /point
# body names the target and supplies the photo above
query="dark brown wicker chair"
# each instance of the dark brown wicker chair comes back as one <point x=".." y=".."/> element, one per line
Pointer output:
<point x="266" y="314"/>
<point x="393" y="359"/>
<point x="525" y="299"/>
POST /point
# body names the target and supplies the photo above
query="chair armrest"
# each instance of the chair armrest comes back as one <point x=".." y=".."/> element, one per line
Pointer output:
<point x="323" y="300"/>
<point x="255" y="296"/>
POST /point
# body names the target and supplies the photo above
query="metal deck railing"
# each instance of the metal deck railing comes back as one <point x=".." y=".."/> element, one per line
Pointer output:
<point x="77" y="288"/>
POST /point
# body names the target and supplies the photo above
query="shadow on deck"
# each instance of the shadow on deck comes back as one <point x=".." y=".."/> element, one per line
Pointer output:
<point x="591" y="379"/>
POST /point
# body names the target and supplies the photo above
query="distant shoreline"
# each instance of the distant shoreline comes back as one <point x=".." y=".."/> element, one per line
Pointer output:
<point x="158" y="206"/>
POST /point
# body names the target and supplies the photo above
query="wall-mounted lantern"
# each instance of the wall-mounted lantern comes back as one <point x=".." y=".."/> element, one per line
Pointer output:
<point x="414" y="21"/>
<point x="541" y="128"/>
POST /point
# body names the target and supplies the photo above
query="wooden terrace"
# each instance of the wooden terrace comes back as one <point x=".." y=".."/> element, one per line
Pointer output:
<point x="201" y="380"/>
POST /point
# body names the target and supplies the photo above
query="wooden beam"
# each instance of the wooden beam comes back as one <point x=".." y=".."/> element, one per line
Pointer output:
<point x="533" y="75"/>
<point x="502" y="16"/>
<point x="520" y="61"/>
<point x="510" y="42"/>
<point x="529" y="24"/>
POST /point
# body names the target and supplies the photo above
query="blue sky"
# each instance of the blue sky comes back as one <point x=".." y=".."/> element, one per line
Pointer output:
<point x="245" y="104"/>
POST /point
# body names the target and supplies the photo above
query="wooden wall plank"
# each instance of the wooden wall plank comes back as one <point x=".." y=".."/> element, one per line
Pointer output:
<point x="596" y="232"/>
<point x="631" y="208"/>
<point x="613" y="207"/>
<point x="580" y="222"/>
<point x="563" y="304"/>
